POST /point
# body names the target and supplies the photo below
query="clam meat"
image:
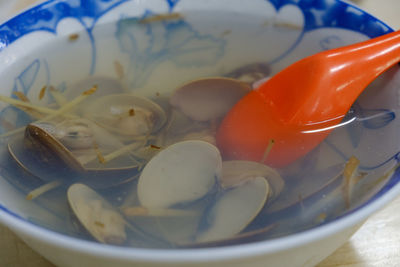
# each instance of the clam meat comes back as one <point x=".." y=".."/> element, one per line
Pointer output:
<point x="126" y="115"/>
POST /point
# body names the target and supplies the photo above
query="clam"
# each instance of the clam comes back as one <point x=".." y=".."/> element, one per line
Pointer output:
<point x="74" y="134"/>
<point x="208" y="99"/>
<point x="179" y="124"/>
<point x="40" y="137"/>
<point x="80" y="143"/>
<point x="181" y="173"/>
<point x="38" y="161"/>
<point x="235" y="209"/>
<point x="182" y="128"/>
<point x="97" y="216"/>
<point x="126" y="115"/>
<point x="66" y="149"/>
<point x="251" y="73"/>
<point x="107" y="224"/>
<point x="303" y="189"/>
<point x="236" y="171"/>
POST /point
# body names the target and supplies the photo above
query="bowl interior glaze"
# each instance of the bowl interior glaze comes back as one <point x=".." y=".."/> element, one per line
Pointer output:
<point x="154" y="46"/>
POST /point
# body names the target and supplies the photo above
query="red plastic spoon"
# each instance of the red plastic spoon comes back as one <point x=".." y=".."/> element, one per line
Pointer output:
<point x="298" y="107"/>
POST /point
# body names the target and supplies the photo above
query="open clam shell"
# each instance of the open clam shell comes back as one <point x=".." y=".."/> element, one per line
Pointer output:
<point x="237" y="171"/>
<point x="98" y="217"/>
<point x="42" y="153"/>
<point x="80" y="144"/>
<point x="321" y="181"/>
<point x="209" y="98"/>
<point x="53" y="169"/>
<point x="41" y="138"/>
<point x="235" y="209"/>
<point x="183" y="172"/>
<point x="126" y="114"/>
<point x="38" y="161"/>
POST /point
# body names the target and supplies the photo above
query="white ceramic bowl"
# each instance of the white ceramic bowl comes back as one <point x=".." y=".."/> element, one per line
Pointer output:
<point x="63" y="41"/>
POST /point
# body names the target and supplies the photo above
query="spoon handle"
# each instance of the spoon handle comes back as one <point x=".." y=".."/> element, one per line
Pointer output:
<point x="335" y="76"/>
<point x="354" y="67"/>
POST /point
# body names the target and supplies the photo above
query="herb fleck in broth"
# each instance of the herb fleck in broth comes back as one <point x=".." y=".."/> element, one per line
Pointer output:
<point x="145" y="171"/>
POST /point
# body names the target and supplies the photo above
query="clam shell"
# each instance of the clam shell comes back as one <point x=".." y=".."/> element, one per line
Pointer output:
<point x="303" y="189"/>
<point x="235" y="209"/>
<point x="53" y="139"/>
<point x="251" y="73"/>
<point x="41" y="154"/>
<point x="183" y="172"/>
<point x="98" y="217"/>
<point x="210" y="98"/>
<point x="237" y="171"/>
<point x="182" y="128"/>
<point x="41" y="139"/>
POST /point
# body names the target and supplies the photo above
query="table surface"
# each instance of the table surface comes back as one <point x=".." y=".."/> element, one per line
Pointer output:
<point x="376" y="243"/>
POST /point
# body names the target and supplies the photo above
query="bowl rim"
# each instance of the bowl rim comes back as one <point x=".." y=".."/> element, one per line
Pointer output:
<point x="24" y="228"/>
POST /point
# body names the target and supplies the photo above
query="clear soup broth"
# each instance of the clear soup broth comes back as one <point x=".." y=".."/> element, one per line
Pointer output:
<point x="122" y="150"/>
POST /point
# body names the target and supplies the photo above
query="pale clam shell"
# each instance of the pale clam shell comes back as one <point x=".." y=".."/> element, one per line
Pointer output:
<point x="98" y="217"/>
<point x="235" y="209"/>
<point x="183" y="172"/>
